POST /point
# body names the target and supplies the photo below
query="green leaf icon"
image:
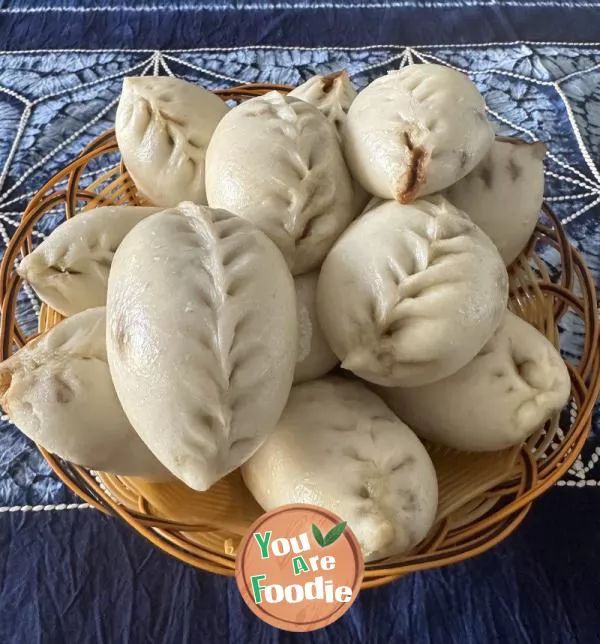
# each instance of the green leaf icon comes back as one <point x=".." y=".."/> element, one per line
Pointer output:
<point x="317" y="534"/>
<point x="334" y="534"/>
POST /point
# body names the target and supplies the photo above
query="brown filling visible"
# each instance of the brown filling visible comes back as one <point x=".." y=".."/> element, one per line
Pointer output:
<point x="416" y="171"/>
<point x="329" y="80"/>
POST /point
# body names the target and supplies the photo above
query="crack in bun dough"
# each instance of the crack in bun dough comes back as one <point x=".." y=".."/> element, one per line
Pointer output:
<point x="338" y="446"/>
<point x="508" y="391"/>
<point x="69" y="269"/>
<point x="163" y="126"/>
<point x="410" y="293"/>
<point x="315" y="357"/>
<point x="59" y="393"/>
<point x="503" y="194"/>
<point x="201" y="338"/>
<point x="416" y="131"/>
<point x="276" y="161"/>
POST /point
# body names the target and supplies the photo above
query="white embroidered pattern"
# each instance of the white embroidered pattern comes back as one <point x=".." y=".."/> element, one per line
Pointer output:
<point x="363" y="48"/>
<point x="45" y="508"/>
<point x="579" y="474"/>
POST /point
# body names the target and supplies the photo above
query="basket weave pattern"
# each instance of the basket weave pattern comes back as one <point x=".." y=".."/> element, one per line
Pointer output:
<point x="483" y="497"/>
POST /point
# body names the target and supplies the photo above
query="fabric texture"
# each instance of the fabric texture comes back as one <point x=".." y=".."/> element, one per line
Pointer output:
<point x="68" y="573"/>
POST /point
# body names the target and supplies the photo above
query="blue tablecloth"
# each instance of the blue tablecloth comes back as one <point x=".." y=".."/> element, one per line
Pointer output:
<point x="69" y="574"/>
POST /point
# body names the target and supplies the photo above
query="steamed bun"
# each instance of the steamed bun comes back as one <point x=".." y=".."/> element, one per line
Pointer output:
<point x="315" y="357"/>
<point x="503" y="194"/>
<point x="163" y="126"/>
<point x="201" y="338"/>
<point x="410" y="293"/>
<point x="339" y="446"/>
<point x="332" y="95"/>
<point x="59" y="393"/>
<point x="276" y="161"/>
<point x="509" y="390"/>
<point x="69" y="269"/>
<point x="416" y="131"/>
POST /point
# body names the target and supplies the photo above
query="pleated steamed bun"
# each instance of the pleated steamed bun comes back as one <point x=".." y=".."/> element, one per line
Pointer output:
<point x="409" y="294"/>
<point x="514" y="385"/>
<point x="58" y="391"/>
<point x="275" y="160"/>
<point x="416" y="131"/>
<point x="69" y="269"/>
<point x="503" y="194"/>
<point x="337" y="445"/>
<point x="201" y="338"/>
<point x="332" y="95"/>
<point x="163" y="126"/>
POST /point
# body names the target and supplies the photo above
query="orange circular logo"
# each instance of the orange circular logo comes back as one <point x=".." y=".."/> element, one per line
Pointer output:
<point x="299" y="568"/>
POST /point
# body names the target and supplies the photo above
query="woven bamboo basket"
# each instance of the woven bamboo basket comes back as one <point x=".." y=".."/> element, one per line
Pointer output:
<point x="483" y="497"/>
